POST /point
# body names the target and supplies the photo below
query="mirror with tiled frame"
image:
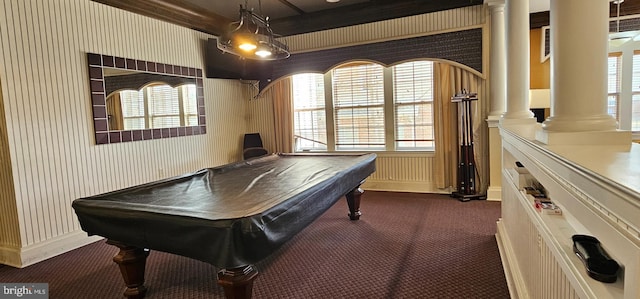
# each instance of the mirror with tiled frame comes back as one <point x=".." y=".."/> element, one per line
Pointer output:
<point x="101" y="66"/>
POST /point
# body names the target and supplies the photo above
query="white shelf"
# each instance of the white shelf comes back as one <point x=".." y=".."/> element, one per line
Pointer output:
<point x="557" y="232"/>
<point x="587" y="208"/>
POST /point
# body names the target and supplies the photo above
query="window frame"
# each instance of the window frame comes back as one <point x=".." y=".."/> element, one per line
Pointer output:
<point x="387" y="106"/>
<point x="614" y="96"/>
<point x="635" y="93"/>
<point x="183" y="118"/>
<point x="415" y="103"/>
<point x="357" y="97"/>
<point x="301" y="139"/>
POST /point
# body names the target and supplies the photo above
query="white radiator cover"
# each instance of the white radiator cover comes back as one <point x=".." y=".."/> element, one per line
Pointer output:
<point x="403" y="173"/>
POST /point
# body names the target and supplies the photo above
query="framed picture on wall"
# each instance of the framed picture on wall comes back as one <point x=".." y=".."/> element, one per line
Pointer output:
<point x="545" y="41"/>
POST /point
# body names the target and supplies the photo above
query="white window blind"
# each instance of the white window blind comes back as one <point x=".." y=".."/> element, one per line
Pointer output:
<point x="309" y="114"/>
<point x="613" y="86"/>
<point x="164" y="109"/>
<point x="413" y="103"/>
<point x="358" y="100"/>
<point x="189" y="104"/>
<point x="635" y="102"/>
<point x="159" y="106"/>
<point x="133" y="112"/>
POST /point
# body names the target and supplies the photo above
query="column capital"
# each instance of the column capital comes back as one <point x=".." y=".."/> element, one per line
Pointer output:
<point x="493" y="121"/>
<point x="493" y="3"/>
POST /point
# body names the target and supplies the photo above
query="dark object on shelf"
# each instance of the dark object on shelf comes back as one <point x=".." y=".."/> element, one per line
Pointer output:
<point x="519" y="164"/>
<point x="252" y="146"/>
<point x="466" y="165"/>
<point x="538" y="113"/>
<point x="598" y="264"/>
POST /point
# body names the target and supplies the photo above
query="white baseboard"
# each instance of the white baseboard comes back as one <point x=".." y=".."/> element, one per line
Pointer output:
<point x="398" y="186"/>
<point x="10" y="256"/>
<point x="494" y="193"/>
<point x="515" y="281"/>
<point x="34" y="253"/>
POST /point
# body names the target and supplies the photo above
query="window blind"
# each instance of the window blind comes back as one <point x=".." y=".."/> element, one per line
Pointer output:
<point x="413" y="103"/>
<point x="133" y="112"/>
<point x="160" y="104"/>
<point x="358" y="100"/>
<point x="613" y="83"/>
<point x="189" y="104"/>
<point x="164" y="108"/>
<point x="309" y="117"/>
<point x="635" y="89"/>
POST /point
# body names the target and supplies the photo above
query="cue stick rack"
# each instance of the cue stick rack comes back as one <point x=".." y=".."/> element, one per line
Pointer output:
<point x="466" y="162"/>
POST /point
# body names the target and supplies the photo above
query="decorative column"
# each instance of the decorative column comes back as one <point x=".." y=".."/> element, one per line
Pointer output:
<point x="497" y="95"/>
<point x="579" y="83"/>
<point x="517" y="13"/>
<point x="497" y="61"/>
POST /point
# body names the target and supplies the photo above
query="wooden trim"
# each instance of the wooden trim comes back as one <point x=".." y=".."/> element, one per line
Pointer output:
<point x="188" y="15"/>
<point x="177" y="12"/>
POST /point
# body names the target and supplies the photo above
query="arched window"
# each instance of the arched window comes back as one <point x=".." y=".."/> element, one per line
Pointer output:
<point x="309" y="116"/>
<point x="413" y="105"/>
<point x="358" y="103"/>
<point x="366" y="107"/>
<point x="159" y="105"/>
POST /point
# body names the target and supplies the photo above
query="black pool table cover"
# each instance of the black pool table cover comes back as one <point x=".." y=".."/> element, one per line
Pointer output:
<point x="229" y="216"/>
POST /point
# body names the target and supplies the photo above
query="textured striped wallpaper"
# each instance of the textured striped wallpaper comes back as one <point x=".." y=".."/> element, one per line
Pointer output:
<point x="48" y="154"/>
<point x="8" y="208"/>
<point x="419" y="25"/>
<point x="404" y="172"/>
<point x="260" y="117"/>
<point x="395" y="171"/>
<point x="400" y="167"/>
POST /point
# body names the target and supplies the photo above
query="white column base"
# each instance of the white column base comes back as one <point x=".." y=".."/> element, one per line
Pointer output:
<point x="525" y="127"/>
<point x="494" y="193"/>
<point x="493" y="120"/>
<point x="525" y="114"/>
<point x="608" y="138"/>
<point x="580" y="124"/>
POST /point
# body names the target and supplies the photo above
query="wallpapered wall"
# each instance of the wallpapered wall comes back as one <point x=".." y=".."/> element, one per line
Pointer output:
<point x="540" y="70"/>
<point x="396" y="171"/>
<point x="48" y="156"/>
<point x="48" y="153"/>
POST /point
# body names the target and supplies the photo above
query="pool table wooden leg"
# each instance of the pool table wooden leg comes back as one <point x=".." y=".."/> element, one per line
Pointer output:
<point x="131" y="261"/>
<point x="237" y="282"/>
<point x="353" y="200"/>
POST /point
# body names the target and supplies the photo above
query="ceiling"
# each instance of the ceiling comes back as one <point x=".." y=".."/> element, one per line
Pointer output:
<point x="289" y="17"/>
<point x="277" y="9"/>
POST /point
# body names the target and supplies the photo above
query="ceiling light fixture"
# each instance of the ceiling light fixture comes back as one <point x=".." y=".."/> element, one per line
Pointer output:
<point x="251" y="37"/>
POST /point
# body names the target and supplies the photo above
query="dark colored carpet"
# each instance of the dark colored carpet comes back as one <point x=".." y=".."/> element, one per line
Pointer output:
<point x="404" y="246"/>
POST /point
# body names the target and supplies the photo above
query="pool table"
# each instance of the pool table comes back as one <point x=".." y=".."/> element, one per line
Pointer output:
<point x="230" y="216"/>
